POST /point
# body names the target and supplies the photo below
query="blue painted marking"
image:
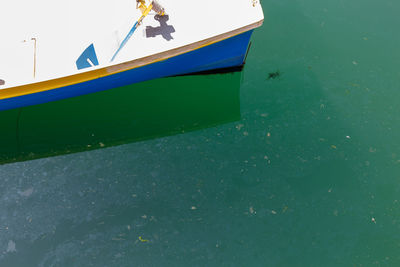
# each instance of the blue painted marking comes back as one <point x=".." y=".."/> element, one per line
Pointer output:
<point x="88" y="54"/>
<point x="125" y="40"/>
<point x="227" y="53"/>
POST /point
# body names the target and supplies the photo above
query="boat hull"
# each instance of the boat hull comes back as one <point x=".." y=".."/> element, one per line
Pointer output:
<point x="224" y="54"/>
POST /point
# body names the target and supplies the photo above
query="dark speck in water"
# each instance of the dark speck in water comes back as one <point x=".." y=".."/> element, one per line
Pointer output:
<point x="274" y="75"/>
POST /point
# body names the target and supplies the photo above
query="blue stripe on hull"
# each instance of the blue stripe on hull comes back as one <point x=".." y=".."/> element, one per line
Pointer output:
<point x="227" y="53"/>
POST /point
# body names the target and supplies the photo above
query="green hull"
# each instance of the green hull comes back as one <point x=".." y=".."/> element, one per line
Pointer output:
<point x="136" y="112"/>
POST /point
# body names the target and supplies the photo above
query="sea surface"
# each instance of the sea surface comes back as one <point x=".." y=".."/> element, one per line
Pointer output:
<point x="293" y="162"/>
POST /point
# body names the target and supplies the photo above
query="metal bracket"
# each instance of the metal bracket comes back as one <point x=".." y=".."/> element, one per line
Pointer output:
<point x="34" y="57"/>
<point x="34" y="54"/>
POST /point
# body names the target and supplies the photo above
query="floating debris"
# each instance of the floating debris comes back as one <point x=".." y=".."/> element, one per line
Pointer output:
<point x="336" y="213"/>
<point x="252" y="211"/>
<point x="274" y="75"/>
<point x="239" y="126"/>
<point x="143" y="240"/>
<point x="26" y="193"/>
<point x="11" y="247"/>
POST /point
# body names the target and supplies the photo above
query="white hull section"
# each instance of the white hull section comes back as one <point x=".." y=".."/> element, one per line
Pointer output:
<point x="43" y="39"/>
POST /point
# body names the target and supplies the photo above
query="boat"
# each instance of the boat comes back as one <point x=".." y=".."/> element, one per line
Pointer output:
<point x="56" y="50"/>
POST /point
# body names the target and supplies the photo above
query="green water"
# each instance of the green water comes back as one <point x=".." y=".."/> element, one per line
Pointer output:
<point x="302" y="169"/>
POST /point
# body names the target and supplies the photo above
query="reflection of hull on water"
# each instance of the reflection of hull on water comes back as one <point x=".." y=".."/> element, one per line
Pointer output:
<point x="131" y="113"/>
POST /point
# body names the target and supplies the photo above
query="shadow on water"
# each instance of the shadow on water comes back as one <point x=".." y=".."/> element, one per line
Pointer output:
<point x="141" y="111"/>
